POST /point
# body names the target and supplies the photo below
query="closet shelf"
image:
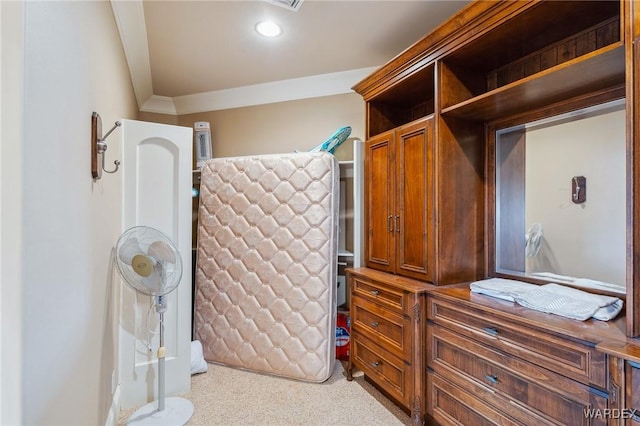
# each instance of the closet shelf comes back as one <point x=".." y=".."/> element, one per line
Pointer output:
<point x="598" y="70"/>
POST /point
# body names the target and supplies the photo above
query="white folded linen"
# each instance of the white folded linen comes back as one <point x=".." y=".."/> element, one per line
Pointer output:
<point x="502" y="288"/>
<point x="552" y="298"/>
<point x="571" y="302"/>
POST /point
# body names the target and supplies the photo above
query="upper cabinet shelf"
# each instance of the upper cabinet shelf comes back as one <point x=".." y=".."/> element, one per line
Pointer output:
<point x="552" y="51"/>
<point x="590" y="73"/>
<point x="408" y="100"/>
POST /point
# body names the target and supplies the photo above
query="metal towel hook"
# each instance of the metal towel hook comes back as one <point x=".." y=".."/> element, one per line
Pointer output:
<point x="99" y="146"/>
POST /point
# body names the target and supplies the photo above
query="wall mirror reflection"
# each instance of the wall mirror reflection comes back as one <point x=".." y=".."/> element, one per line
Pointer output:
<point x="560" y="199"/>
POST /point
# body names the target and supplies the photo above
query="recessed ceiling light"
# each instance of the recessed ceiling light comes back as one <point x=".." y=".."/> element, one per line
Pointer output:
<point x="268" y="29"/>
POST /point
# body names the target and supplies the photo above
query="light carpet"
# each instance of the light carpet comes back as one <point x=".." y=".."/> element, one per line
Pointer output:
<point x="228" y="396"/>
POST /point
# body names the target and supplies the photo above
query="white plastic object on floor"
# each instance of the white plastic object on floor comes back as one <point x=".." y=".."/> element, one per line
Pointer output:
<point x="177" y="412"/>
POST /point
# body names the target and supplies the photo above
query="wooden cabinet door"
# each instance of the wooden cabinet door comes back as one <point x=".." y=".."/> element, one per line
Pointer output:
<point x="414" y="200"/>
<point x="379" y="202"/>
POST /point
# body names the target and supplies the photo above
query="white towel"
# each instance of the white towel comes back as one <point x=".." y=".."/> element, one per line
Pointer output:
<point x="552" y="298"/>
<point x="571" y="303"/>
<point x="501" y="288"/>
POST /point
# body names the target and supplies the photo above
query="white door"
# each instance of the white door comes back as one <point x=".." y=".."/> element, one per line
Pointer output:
<point x="156" y="167"/>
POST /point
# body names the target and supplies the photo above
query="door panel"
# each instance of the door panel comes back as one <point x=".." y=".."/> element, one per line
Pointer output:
<point x="156" y="163"/>
<point x="414" y="200"/>
<point x="379" y="202"/>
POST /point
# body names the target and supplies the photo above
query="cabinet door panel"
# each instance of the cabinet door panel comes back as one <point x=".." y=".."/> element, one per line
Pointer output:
<point x="414" y="200"/>
<point x="379" y="179"/>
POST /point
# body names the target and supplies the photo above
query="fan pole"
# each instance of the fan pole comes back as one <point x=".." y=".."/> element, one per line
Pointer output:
<point x="161" y="308"/>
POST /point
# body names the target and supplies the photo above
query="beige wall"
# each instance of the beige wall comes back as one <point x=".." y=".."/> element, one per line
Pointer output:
<point x="281" y="127"/>
<point x="74" y="64"/>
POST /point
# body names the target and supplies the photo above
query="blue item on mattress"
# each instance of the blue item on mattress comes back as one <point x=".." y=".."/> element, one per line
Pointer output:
<point x="334" y="141"/>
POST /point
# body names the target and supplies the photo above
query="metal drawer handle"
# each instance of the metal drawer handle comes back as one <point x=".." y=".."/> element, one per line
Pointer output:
<point x="375" y="324"/>
<point x="375" y="292"/>
<point x="491" y="330"/>
<point x="491" y="379"/>
<point x="376" y="364"/>
<point x="390" y="223"/>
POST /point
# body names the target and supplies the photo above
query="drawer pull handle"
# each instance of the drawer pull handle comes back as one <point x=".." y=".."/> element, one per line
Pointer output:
<point x="491" y="330"/>
<point x="491" y="379"/>
<point x="376" y="364"/>
<point x="375" y="324"/>
<point x="375" y="292"/>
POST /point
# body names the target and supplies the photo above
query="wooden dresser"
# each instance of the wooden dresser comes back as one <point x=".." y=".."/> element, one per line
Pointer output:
<point x="491" y="361"/>
<point x="387" y="336"/>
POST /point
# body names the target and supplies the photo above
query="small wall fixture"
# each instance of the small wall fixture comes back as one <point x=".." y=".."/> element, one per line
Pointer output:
<point x="579" y="189"/>
<point x="99" y="146"/>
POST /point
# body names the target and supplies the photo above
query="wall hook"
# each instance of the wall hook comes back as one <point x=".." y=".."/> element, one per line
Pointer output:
<point x="99" y="146"/>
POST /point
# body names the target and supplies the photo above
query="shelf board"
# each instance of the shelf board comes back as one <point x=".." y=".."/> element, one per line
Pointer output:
<point x="344" y="253"/>
<point x="601" y="69"/>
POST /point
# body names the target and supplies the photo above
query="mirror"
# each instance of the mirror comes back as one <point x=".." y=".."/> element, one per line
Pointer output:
<point x="560" y="198"/>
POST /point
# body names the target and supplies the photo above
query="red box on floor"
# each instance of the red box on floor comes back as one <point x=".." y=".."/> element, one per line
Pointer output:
<point x="343" y="330"/>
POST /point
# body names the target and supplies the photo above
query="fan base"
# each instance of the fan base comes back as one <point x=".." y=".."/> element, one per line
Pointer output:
<point x="177" y="411"/>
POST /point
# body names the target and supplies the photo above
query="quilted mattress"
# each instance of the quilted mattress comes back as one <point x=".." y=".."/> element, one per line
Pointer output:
<point x="265" y="296"/>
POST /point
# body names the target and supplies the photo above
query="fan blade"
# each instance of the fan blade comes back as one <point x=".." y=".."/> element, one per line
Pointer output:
<point x="162" y="250"/>
<point x="129" y="249"/>
<point x="153" y="282"/>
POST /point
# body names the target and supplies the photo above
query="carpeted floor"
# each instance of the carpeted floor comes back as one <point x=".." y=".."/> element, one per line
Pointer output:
<point x="228" y="396"/>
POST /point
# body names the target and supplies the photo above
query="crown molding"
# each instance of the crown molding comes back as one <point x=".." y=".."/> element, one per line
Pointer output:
<point x="258" y="94"/>
<point x="129" y="17"/>
<point x="160" y="105"/>
<point x="266" y="93"/>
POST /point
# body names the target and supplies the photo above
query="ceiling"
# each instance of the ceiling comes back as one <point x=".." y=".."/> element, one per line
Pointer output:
<point x="192" y="56"/>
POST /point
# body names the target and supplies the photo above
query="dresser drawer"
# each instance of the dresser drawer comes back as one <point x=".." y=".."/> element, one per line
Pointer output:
<point x="388" y="371"/>
<point x="391" y="298"/>
<point x="388" y="329"/>
<point x="536" y="390"/>
<point x="573" y="359"/>
<point x="451" y="405"/>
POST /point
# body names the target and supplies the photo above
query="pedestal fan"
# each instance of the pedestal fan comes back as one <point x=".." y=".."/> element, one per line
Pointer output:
<point x="150" y="263"/>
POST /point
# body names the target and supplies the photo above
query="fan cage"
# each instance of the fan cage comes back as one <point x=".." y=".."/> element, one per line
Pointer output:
<point x="164" y="276"/>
